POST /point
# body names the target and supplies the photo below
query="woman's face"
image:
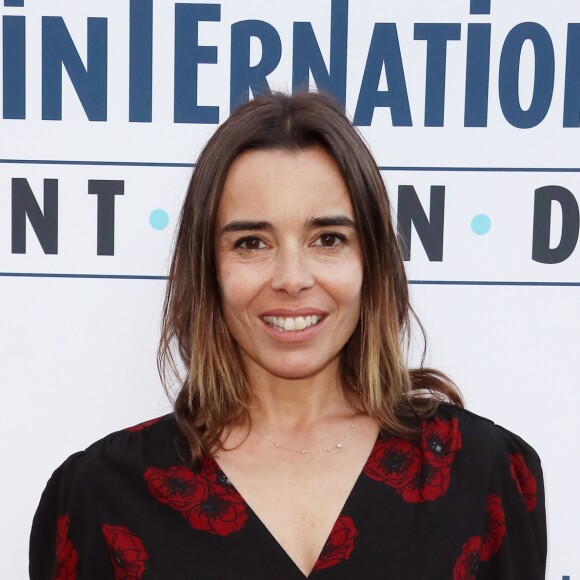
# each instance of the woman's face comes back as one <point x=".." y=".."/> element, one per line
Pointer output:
<point x="289" y="261"/>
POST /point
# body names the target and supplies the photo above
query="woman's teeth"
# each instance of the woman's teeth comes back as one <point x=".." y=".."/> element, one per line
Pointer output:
<point x="298" y="323"/>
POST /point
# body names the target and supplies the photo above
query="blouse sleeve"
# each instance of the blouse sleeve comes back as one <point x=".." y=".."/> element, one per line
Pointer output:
<point x="66" y="540"/>
<point x="514" y="542"/>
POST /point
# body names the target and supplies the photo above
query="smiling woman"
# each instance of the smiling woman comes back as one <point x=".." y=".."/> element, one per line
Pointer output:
<point x="288" y="259"/>
<point x="301" y="444"/>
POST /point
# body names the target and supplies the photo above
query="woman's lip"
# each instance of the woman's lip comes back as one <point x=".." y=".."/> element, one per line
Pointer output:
<point x="293" y="335"/>
<point x="287" y="313"/>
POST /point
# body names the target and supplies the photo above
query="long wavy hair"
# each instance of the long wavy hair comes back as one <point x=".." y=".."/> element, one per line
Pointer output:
<point x="196" y="346"/>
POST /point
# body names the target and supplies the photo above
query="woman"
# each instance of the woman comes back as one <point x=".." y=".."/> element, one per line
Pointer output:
<point x="301" y="444"/>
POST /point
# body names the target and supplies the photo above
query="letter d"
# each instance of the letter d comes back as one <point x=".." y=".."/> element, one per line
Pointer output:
<point x="543" y="203"/>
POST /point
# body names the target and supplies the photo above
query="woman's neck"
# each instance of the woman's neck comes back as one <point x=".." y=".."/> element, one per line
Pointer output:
<point x="297" y="404"/>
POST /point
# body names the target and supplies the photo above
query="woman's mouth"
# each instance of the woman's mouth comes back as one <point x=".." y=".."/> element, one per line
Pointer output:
<point x="287" y="323"/>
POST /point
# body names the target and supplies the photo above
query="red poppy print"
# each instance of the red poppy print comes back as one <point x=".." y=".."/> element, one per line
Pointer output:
<point x="394" y="462"/>
<point x="65" y="564"/>
<point x="206" y="505"/>
<point x="467" y="563"/>
<point x="212" y="472"/>
<point x="177" y="486"/>
<point x="430" y="483"/>
<point x="481" y="548"/>
<point x="440" y="441"/>
<point x="143" y="425"/>
<point x="128" y="555"/>
<point x="524" y="480"/>
<point x="339" y="545"/>
<point x="222" y="512"/>
<point x="495" y="528"/>
<point x="419" y="471"/>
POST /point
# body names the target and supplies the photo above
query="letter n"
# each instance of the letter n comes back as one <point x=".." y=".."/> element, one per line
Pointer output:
<point x="410" y="213"/>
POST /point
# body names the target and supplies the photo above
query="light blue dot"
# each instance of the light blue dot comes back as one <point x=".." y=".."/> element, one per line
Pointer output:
<point x="480" y="224"/>
<point x="158" y="219"/>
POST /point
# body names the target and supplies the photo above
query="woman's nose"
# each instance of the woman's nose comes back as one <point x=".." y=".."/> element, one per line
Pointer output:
<point x="292" y="272"/>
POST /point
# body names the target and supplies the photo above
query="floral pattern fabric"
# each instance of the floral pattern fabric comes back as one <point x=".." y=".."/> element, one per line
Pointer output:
<point x="462" y="501"/>
<point x="339" y="545"/>
<point x="418" y="471"/>
<point x="128" y="555"/>
<point x="66" y="557"/>
<point x="206" y="504"/>
<point x="481" y="548"/>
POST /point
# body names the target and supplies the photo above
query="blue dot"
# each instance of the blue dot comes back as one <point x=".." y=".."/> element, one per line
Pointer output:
<point x="158" y="219"/>
<point x="480" y="224"/>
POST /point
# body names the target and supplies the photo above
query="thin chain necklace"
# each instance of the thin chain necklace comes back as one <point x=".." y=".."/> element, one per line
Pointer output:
<point x="337" y="445"/>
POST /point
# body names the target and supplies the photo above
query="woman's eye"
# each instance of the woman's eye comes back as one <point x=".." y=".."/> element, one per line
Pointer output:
<point x="330" y="240"/>
<point x="250" y="243"/>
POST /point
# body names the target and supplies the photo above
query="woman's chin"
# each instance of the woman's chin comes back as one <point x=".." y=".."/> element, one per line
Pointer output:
<point x="296" y="367"/>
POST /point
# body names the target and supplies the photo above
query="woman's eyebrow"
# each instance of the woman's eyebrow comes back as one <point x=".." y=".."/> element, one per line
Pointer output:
<point x="331" y="220"/>
<point x="245" y="225"/>
<point x="255" y="225"/>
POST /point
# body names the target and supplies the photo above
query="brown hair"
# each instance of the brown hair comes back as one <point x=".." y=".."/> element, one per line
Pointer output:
<point x="374" y="370"/>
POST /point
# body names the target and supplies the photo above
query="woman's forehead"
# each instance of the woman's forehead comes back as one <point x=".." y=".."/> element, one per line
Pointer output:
<point x="304" y="183"/>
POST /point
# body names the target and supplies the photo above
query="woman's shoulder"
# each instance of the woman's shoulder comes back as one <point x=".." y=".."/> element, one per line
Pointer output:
<point x="495" y="471"/>
<point x="470" y="420"/>
<point x="80" y="493"/>
<point x="119" y="456"/>
<point x="150" y="441"/>
<point x="481" y="432"/>
<point x="150" y="429"/>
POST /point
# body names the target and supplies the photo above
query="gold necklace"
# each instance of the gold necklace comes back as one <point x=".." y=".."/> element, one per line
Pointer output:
<point x="337" y="445"/>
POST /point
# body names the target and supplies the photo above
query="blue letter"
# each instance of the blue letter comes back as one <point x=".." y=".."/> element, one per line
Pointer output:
<point x="436" y="36"/>
<point x="90" y="84"/>
<point x="140" y="60"/>
<point x="384" y="52"/>
<point x="308" y="58"/>
<point x="477" y="75"/>
<point x="479" y="6"/>
<point x="245" y="77"/>
<point x="14" y="67"/>
<point x="509" y="75"/>
<point x="188" y="56"/>
<point x="572" y="87"/>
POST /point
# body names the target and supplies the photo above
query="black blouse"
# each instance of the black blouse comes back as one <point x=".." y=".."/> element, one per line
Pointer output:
<point x="464" y="501"/>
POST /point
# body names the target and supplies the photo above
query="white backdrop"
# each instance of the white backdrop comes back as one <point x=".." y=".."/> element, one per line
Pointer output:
<point x="79" y="330"/>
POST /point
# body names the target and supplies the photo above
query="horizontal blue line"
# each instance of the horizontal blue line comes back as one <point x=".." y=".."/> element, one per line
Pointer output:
<point x="106" y="163"/>
<point x="98" y="276"/>
<point x="486" y="169"/>
<point x="431" y="282"/>
<point x="490" y="283"/>
<point x="382" y="168"/>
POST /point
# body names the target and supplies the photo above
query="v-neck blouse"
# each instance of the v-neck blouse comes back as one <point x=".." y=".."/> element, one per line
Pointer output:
<point x="464" y="501"/>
